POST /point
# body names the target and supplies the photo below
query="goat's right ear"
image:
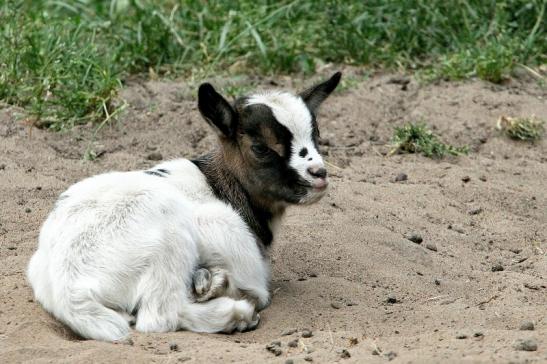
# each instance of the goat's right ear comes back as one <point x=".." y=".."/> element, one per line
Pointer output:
<point x="216" y="111"/>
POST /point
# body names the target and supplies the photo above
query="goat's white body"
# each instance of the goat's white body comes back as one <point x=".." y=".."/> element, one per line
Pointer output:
<point x="126" y="241"/>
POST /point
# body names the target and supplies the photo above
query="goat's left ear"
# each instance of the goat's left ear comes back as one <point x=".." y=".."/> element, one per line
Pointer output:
<point x="314" y="96"/>
<point x="216" y="111"/>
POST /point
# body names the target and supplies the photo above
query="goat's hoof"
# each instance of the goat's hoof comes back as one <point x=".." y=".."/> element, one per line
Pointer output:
<point x="202" y="281"/>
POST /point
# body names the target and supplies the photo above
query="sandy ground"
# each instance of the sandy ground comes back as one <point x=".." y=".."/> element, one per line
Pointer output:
<point x="335" y="264"/>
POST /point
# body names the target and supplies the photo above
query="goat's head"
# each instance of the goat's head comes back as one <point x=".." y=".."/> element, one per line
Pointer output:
<point x="269" y="141"/>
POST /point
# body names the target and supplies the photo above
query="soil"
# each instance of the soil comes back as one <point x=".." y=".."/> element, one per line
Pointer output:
<point x="343" y="269"/>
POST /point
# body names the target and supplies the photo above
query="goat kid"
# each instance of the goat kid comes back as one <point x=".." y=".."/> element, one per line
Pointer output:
<point x="184" y="245"/>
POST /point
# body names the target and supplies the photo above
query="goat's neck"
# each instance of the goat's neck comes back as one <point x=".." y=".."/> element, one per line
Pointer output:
<point x="228" y="188"/>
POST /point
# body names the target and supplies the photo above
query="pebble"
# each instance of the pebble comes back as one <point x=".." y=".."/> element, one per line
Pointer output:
<point x="475" y="211"/>
<point x="478" y="334"/>
<point x="390" y="355"/>
<point x="308" y="358"/>
<point x="375" y="352"/>
<point x="335" y="305"/>
<point x="274" y="348"/>
<point x="173" y="346"/>
<point x="401" y="177"/>
<point x="482" y="178"/>
<point x="414" y="237"/>
<point x="306" y="333"/>
<point x="391" y="299"/>
<point x="293" y="343"/>
<point x="155" y="156"/>
<point x="288" y="332"/>
<point x="497" y="267"/>
<point x="437" y="282"/>
<point x="431" y="246"/>
<point x="28" y="210"/>
<point x="466" y="179"/>
<point x="2" y="166"/>
<point x="461" y="336"/>
<point x="525" y="345"/>
<point x="289" y="361"/>
<point x="527" y="325"/>
<point x="344" y="354"/>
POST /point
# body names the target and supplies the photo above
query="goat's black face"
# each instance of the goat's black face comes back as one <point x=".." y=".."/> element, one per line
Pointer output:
<point x="270" y="141"/>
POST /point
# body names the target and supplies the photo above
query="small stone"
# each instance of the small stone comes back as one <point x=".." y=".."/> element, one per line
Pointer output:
<point x="313" y="275"/>
<point x="335" y="305"/>
<point x="437" y="282"/>
<point x="525" y="345"/>
<point x="288" y="332"/>
<point x="527" y="325"/>
<point x="466" y="179"/>
<point x="274" y="348"/>
<point x="391" y="299"/>
<point x="375" y="352"/>
<point x="293" y="343"/>
<point x="414" y="237"/>
<point x="390" y="355"/>
<point x="497" y="267"/>
<point x="2" y="167"/>
<point x="344" y="354"/>
<point x="431" y="246"/>
<point x="461" y="336"/>
<point x="28" y="210"/>
<point x="475" y="211"/>
<point x="478" y="334"/>
<point x="173" y="346"/>
<point x="155" y="156"/>
<point x="483" y="178"/>
<point x="401" y="177"/>
<point x="306" y="333"/>
<point x="183" y="359"/>
<point x="308" y="358"/>
<point x="289" y="361"/>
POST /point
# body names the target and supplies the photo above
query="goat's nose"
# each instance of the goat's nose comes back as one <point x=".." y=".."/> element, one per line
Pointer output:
<point x="318" y="172"/>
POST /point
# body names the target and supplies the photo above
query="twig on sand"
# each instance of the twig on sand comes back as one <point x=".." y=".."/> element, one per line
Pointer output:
<point x="488" y="300"/>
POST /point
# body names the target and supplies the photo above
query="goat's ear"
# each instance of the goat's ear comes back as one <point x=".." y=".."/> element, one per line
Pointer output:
<point x="314" y="96"/>
<point x="216" y="110"/>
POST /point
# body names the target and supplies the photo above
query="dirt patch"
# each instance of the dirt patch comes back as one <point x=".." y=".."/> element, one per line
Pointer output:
<point x="348" y="269"/>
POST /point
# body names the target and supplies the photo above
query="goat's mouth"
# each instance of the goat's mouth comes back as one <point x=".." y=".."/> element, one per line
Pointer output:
<point x="313" y="193"/>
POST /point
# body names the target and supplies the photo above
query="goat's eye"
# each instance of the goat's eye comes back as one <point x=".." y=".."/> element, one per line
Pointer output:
<point x="260" y="150"/>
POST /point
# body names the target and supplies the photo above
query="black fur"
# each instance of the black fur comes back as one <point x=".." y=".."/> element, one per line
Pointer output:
<point x="227" y="188"/>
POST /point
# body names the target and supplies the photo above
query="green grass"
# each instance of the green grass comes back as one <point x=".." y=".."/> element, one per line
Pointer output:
<point x="525" y="129"/>
<point x="64" y="61"/>
<point x="417" y="138"/>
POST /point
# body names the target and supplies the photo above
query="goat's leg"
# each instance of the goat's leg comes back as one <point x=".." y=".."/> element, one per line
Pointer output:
<point x="236" y="252"/>
<point x="212" y="283"/>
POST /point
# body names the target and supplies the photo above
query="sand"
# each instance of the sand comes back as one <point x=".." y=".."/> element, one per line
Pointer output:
<point x="343" y="268"/>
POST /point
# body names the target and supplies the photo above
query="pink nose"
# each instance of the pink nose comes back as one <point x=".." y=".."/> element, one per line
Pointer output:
<point x="318" y="172"/>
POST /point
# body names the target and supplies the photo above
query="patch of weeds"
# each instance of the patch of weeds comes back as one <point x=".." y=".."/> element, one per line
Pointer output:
<point x="64" y="61"/>
<point x="417" y="138"/>
<point x="526" y="129"/>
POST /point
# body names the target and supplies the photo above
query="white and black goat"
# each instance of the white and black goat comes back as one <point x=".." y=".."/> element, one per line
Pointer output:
<point x="183" y="245"/>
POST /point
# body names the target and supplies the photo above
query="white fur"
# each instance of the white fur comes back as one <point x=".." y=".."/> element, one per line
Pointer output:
<point x="126" y="242"/>
<point x="291" y="112"/>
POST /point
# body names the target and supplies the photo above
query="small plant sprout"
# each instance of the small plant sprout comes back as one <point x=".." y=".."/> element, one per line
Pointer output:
<point x="417" y="138"/>
<point x="528" y="129"/>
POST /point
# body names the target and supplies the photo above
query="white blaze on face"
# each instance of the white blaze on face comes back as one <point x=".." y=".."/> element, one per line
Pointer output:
<point x="291" y="112"/>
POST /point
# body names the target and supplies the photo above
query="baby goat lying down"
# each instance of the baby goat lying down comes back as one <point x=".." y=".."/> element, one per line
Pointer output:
<point x="183" y="245"/>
